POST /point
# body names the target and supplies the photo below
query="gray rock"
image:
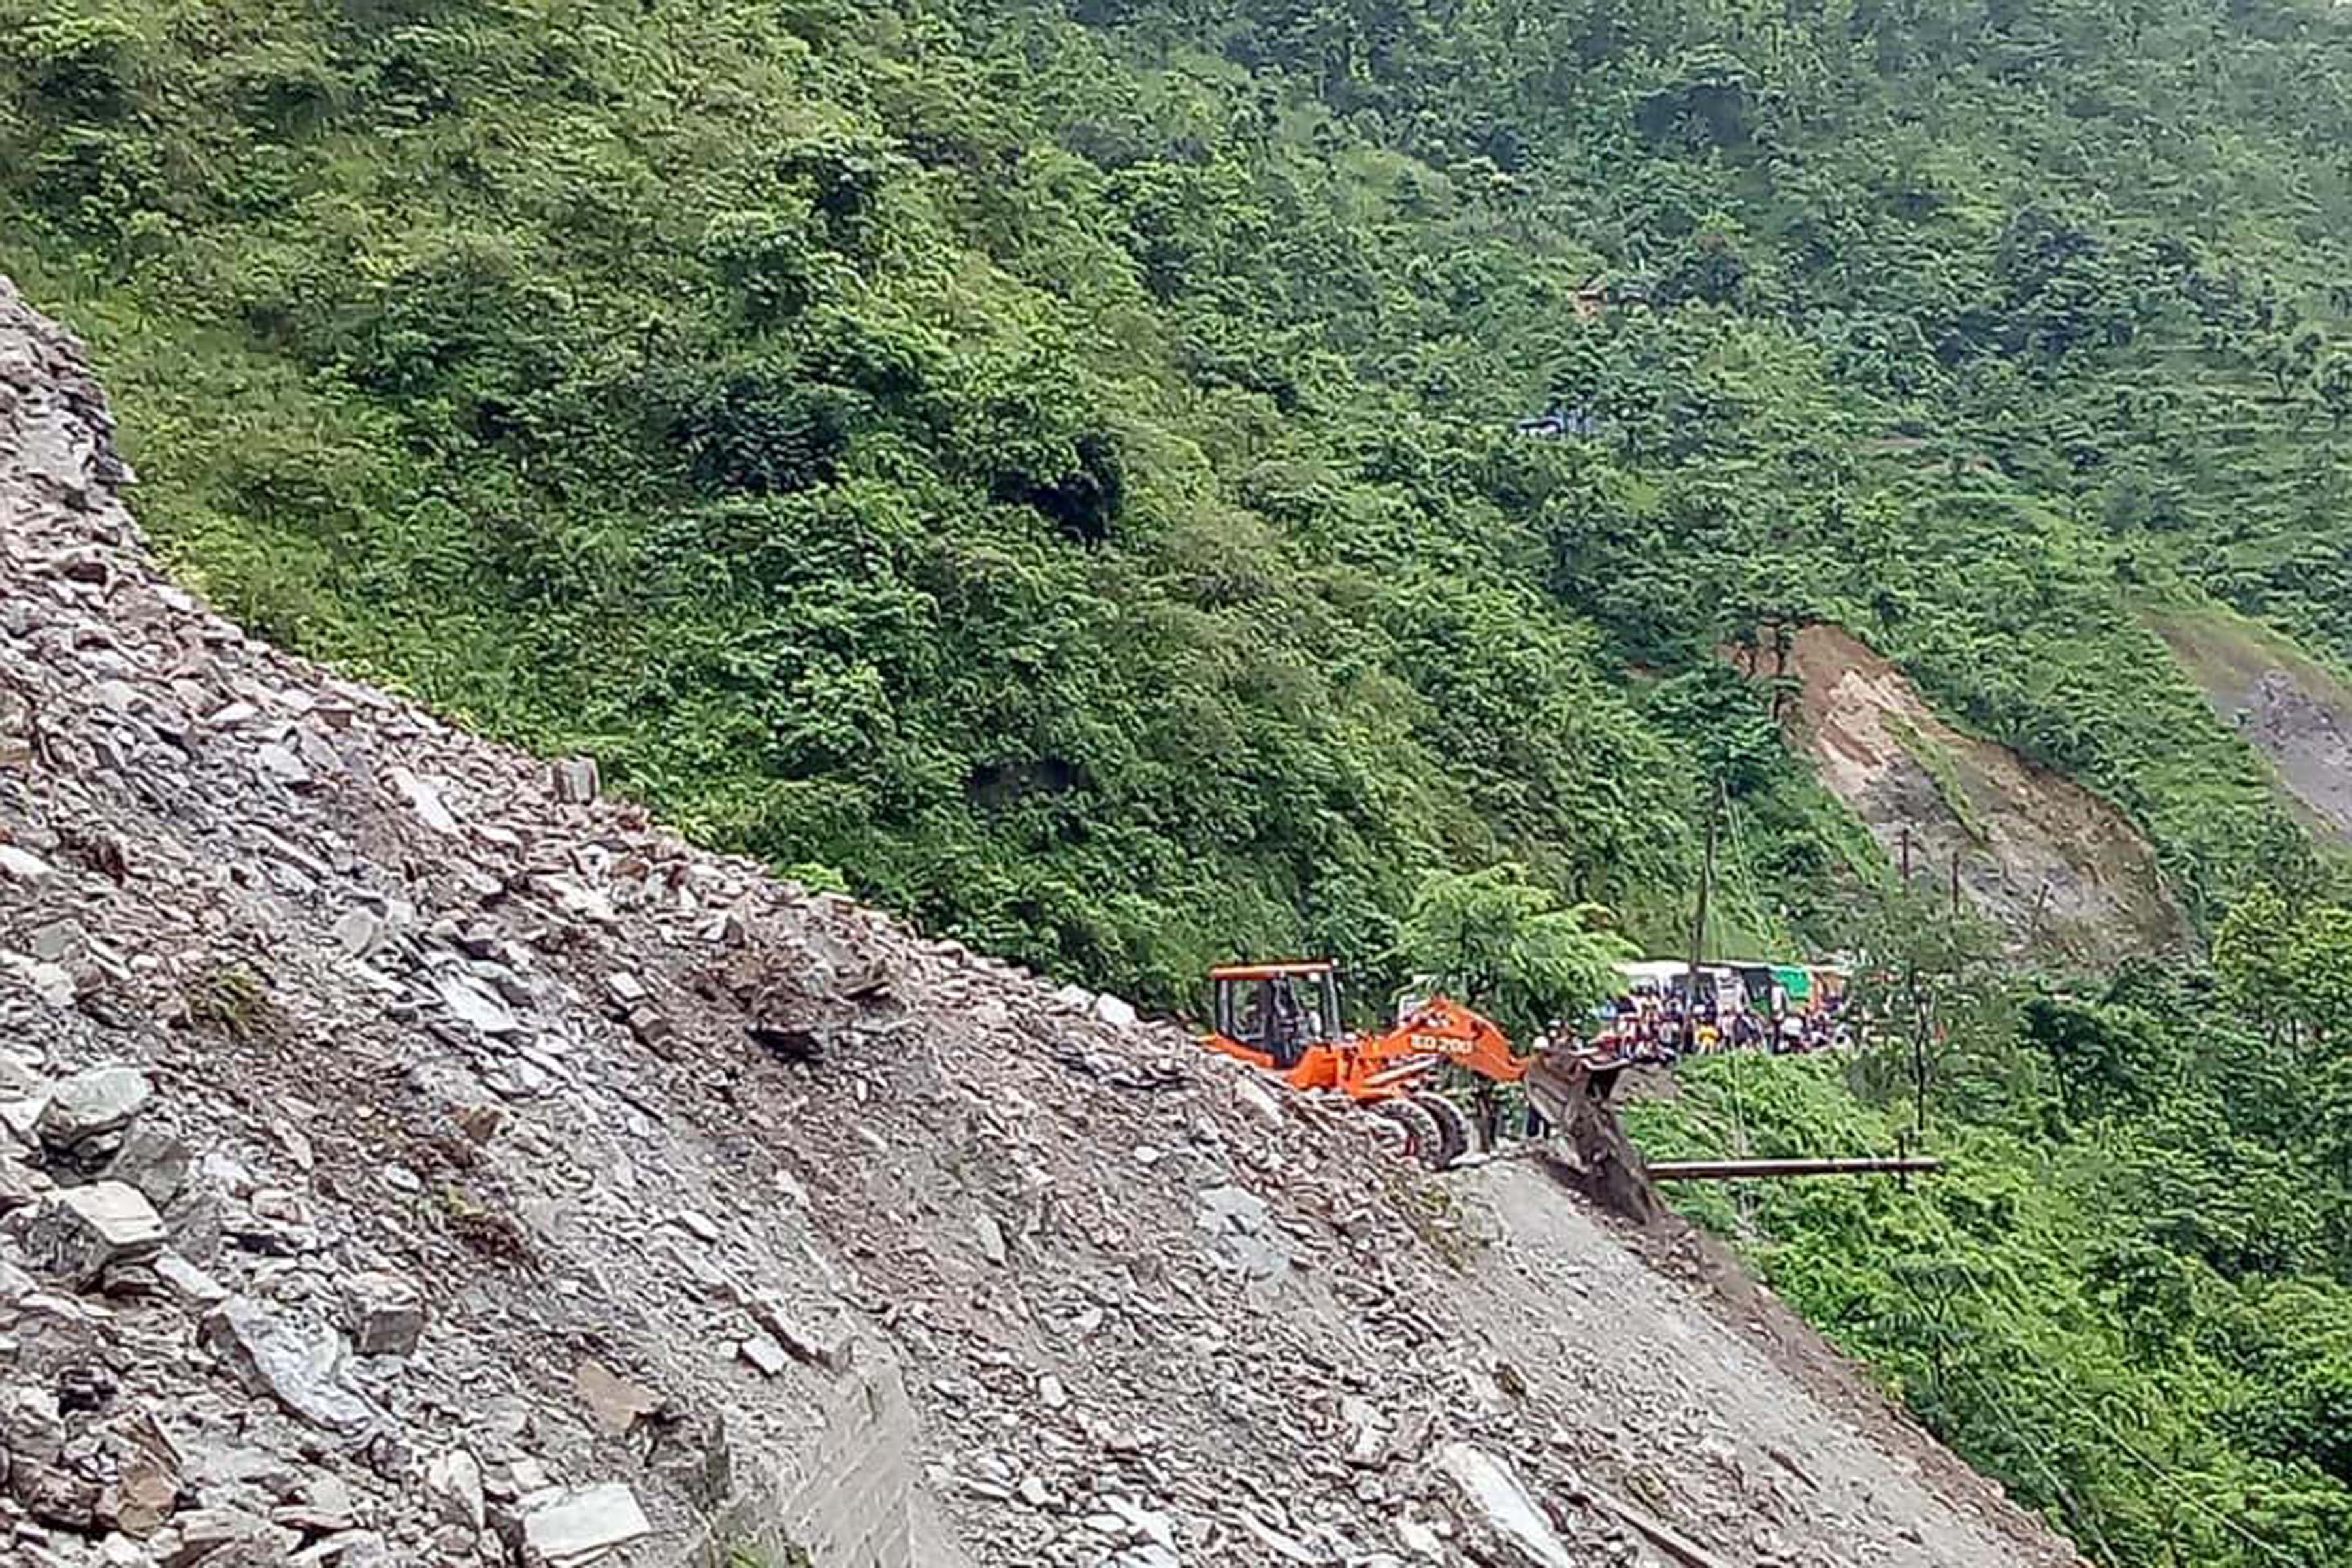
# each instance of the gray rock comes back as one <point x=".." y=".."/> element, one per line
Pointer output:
<point x="99" y="1100"/>
<point x="189" y="1285"/>
<point x="1496" y="1495"/>
<point x="385" y="1313"/>
<point x="152" y="1160"/>
<point x="571" y="1528"/>
<point x="53" y="1490"/>
<point x="297" y="1365"/>
<point x="469" y="1000"/>
<point x="357" y="932"/>
<point x="454" y="1479"/>
<point x="52" y="982"/>
<point x="20" y="865"/>
<point x="20" y="1188"/>
<point x="425" y="800"/>
<point x="827" y="1343"/>
<point x="763" y="1354"/>
<point x="221" y="1535"/>
<point x="143" y="1494"/>
<point x="80" y="1230"/>
<point x="18" y="1116"/>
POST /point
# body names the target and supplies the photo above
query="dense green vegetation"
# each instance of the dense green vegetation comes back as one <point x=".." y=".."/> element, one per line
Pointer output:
<point x="1057" y="471"/>
<point x="2130" y="1294"/>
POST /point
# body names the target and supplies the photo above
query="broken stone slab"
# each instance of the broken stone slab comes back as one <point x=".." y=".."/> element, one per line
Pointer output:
<point x="572" y="1529"/>
<point x="144" y="1491"/>
<point x="81" y="1230"/>
<point x="297" y="1365"/>
<point x="18" y="1115"/>
<point x="41" y="1476"/>
<point x="188" y="1284"/>
<point x="826" y="1343"/>
<point x="425" y="800"/>
<point x="575" y="780"/>
<point x="102" y="1100"/>
<point x="220" y="1534"/>
<point x="20" y="1187"/>
<point x="1495" y="1494"/>
<point x="1116" y="1011"/>
<point x="454" y="1479"/>
<point x="617" y="1402"/>
<point x="21" y="865"/>
<point x="384" y="1311"/>
<point x="991" y="1237"/>
<point x="468" y="1000"/>
<point x="763" y="1354"/>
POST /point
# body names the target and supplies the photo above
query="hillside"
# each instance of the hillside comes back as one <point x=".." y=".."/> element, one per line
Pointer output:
<point x="1061" y="473"/>
<point x="2059" y="870"/>
<point x="408" y="1157"/>
<point x="2290" y="707"/>
<point x="1124" y="484"/>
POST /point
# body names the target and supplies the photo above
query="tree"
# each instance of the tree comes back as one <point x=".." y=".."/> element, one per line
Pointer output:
<point x="1510" y="948"/>
<point x="2252" y="963"/>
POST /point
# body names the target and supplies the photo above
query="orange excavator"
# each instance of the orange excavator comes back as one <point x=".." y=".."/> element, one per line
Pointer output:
<point x="1285" y="1018"/>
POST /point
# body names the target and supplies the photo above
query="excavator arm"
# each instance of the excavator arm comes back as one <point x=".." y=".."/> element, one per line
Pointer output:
<point x="1445" y="1029"/>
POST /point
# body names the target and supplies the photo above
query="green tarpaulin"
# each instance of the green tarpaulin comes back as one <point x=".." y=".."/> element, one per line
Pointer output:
<point x="1796" y="982"/>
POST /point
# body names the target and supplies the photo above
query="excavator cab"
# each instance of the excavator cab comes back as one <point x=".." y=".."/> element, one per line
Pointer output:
<point x="1278" y="1010"/>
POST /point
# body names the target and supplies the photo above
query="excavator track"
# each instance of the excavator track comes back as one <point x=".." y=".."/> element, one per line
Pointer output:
<point x="1455" y="1138"/>
<point x="1424" y="1141"/>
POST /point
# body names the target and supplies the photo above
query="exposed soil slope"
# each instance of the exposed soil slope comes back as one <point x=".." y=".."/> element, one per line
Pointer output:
<point x="519" y="1182"/>
<point x="2052" y="863"/>
<point x="2289" y="706"/>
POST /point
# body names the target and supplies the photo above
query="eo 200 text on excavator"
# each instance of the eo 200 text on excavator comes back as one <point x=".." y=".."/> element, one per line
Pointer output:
<point x="1285" y="1018"/>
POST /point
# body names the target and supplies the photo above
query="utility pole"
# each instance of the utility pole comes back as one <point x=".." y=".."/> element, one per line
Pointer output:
<point x="1955" y="884"/>
<point x="1698" y="920"/>
<point x="1907" y="854"/>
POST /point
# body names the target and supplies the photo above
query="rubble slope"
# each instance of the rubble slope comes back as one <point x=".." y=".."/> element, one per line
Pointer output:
<point x="2043" y="859"/>
<point x="2286" y="704"/>
<point x="407" y="1157"/>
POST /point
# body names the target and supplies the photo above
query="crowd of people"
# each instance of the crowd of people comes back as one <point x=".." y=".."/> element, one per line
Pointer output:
<point x="1652" y="1019"/>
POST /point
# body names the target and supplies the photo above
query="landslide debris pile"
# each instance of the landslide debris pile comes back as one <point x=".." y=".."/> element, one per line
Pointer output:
<point x="408" y="1157"/>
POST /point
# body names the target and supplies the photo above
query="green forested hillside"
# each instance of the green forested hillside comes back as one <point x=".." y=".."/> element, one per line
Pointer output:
<point x="1059" y="470"/>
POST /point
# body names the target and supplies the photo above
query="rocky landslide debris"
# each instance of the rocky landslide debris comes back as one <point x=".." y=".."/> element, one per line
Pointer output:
<point x="411" y="1155"/>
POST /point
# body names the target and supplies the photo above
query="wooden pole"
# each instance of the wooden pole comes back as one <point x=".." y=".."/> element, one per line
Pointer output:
<point x="1907" y="852"/>
<point x="1736" y="1170"/>
<point x="1955" y="884"/>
